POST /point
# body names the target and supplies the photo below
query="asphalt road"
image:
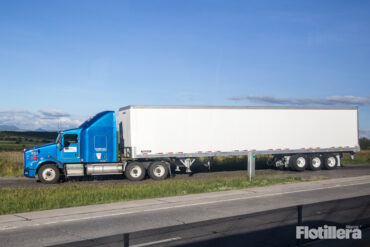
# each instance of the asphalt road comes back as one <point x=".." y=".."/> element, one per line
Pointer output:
<point x="340" y="172"/>
<point x="62" y="226"/>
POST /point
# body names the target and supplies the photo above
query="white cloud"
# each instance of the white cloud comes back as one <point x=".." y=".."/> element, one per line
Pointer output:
<point x="330" y="100"/>
<point x="52" y="114"/>
<point x="46" y="119"/>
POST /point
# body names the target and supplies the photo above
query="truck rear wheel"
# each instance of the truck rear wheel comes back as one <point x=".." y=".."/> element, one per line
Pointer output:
<point x="135" y="171"/>
<point x="330" y="162"/>
<point x="315" y="162"/>
<point x="49" y="174"/>
<point x="158" y="170"/>
<point x="298" y="162"/>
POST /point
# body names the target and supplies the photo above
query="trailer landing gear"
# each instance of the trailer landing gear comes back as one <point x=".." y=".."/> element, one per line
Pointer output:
<point x="187" y="163"/>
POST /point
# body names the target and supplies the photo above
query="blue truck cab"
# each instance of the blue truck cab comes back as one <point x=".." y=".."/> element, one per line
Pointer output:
<point x="92" y="145"/>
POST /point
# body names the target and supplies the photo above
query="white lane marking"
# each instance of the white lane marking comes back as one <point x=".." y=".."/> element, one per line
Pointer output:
<point x="157" y="242"/>
<point x="49" y="223"/>
<point x="189" y="205"/>
<point x="8" y="227"/>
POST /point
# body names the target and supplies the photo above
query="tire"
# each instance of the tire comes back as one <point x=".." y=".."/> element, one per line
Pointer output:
<point x="135" y="171"/>
<point x="49" y="174"/>
<point x="158" y="170"/>
<point x="315" y="163"/>
<point x="330" y="162"/>
<point x="298" y="162"/>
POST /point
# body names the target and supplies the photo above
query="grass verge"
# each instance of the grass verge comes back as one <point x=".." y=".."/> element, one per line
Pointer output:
<point x="362" y="157"/>
<point x="11" y="164"/>
<point x="17" y="200"/>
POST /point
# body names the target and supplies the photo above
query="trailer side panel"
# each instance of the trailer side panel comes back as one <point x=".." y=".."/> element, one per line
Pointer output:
<point x="171" y="131"/>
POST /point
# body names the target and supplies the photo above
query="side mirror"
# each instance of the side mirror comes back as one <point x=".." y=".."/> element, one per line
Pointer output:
<point x="60" y="146"/>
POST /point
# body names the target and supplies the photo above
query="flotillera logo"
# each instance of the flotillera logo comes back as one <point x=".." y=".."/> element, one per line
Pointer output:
<point x="328" y="232"/>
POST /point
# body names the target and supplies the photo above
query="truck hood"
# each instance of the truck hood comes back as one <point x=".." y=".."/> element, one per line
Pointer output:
<point x="40" y="152"/>
<point x="39" y="146"/>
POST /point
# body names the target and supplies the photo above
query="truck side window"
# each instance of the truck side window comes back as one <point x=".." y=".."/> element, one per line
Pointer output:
<point x="70" y="138"/>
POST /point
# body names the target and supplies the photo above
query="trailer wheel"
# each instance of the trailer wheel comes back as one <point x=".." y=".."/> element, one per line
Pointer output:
<point x="315" y="162"/>
<point x="135" y="171"/>
<point x="158" y="170"/>
<point x="330" y="162"/>
<point x="49" y="174"/>
<point x="298" y="162"/>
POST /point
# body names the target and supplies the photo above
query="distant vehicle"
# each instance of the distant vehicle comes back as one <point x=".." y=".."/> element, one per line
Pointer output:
<point x="154" y="139"/>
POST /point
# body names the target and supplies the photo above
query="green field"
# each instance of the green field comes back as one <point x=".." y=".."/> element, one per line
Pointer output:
<point x="362" y="157"/>
<point x="12" y="144"/>
<point x="19" y="140"/>
<point x="11" y="164"/>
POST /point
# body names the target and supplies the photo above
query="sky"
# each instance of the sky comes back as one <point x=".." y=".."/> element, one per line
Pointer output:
<point x="63" y="61"/>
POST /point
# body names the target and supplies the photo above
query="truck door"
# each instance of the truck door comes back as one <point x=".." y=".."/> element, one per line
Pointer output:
<point x="71" y="148"/>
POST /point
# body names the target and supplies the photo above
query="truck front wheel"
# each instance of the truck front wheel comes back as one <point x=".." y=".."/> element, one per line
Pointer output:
<point x="135" y="171"/>
<point x="49" y="174"/>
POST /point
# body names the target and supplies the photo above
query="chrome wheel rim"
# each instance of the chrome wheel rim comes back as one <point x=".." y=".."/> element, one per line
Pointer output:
<point x="136" y="172"/>
<point x="301" y="162"/>
<point x="48" y="174"/>
<point x="159" y="171"/>
<point x="331" y="162"/>
<point x="316" y="162"/>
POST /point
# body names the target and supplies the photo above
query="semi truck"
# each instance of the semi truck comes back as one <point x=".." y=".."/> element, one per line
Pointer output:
<point x="156" y="140"/>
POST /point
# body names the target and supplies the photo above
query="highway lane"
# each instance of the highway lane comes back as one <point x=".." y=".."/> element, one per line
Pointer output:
<point x="75" y="224"/>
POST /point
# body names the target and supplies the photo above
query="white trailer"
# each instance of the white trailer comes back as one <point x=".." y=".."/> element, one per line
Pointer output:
<point x="298" y="137"/>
